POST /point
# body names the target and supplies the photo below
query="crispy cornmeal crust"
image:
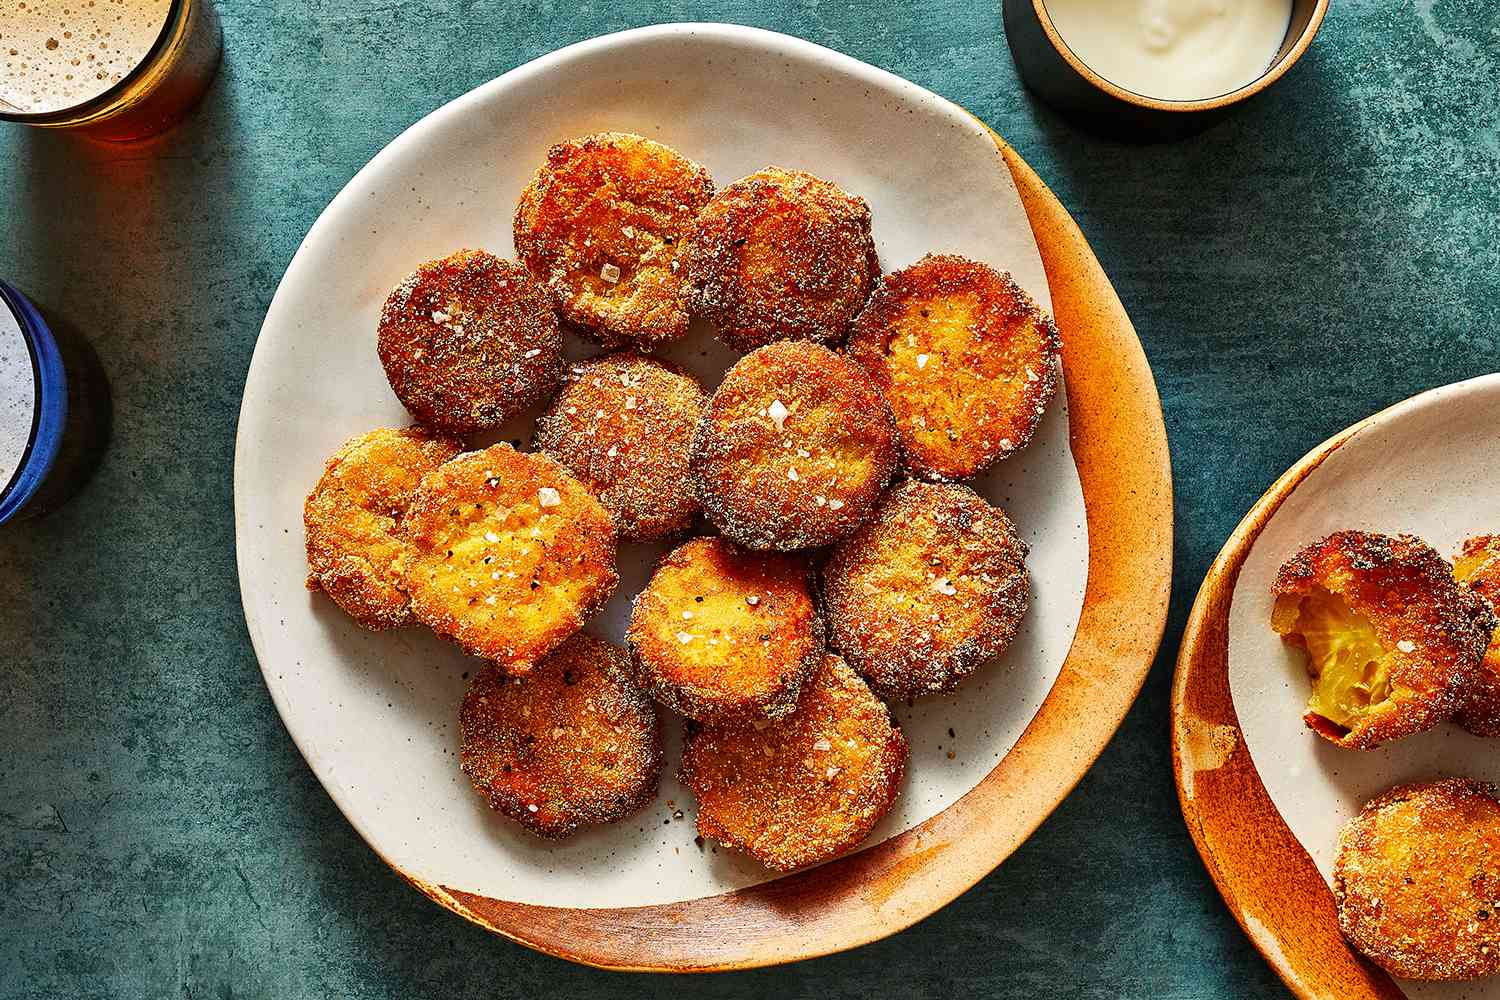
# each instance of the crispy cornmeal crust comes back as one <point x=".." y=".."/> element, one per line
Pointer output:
<point x="469" y="341"/>
<point x="793" y="449"/>
<point x="602" y="224"/>
<point x="1434" y="631"/>
<point x="967" y="360"/>
<point x="932" y="587"/>
<point x="574" y="743"/>
<point x="806" y="789"/>
<point x="1478" y="568"/>
<point x="509" y="555"/>
<point x="724" y="633"/>
<point x="355" y="553"/>
<point x="1417" y="880"/>
<point x="622" y="425"/>
<point x="781" y="255"/>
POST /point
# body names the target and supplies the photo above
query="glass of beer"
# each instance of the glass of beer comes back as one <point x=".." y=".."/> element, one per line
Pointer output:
<point x="112" y="69"/>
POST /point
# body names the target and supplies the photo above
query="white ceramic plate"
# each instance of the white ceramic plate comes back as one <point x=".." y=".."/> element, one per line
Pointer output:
<point x="1426" y="467"/>
<point x="374" y="713"/>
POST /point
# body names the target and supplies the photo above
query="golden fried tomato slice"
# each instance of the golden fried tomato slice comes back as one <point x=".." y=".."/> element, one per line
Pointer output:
<point x="469" y="341"/>
<point x="602" y="224"/>
<point x="793" y="449"/>
<point x="967" y="360"/>
<point x="1393" y="643"/>
<point x="721" y="632"/>
<point x="782" y="255"/>
<point x="1478" y="568"/>
<point x="806" y="789"/>
<point x="573" y="743"/>
<point x="1417" y="880"/>
<point x="622" y="425"/>
<point x="510" y="555"/>
<point x="927" y="591"/>
<point x="355" y="553"/>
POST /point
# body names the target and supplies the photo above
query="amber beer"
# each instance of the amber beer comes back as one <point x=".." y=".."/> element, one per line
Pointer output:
<point x="113" y="69"/>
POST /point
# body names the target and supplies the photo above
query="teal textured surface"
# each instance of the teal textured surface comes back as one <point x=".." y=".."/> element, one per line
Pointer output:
<point x="1332" y="248"/>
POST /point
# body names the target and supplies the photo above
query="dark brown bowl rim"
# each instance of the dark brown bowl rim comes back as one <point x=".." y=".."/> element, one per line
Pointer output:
<point x="1270" y="76"/>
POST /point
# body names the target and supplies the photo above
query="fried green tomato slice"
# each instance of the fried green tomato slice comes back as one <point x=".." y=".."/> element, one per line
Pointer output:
<point x="781" y="255"/>
<point x="573" y="743"/>
<point x="1393" y="642"/>
<point x="469" y="341"/>
<point x="793" y="449"/>
<point x="601" y="225"/>
<point x="1417" y="880"/>
<point x="510" y="555"/>
<point x="932" y="587"/>
<point x="352" y="517"/>
<point x="622" y="425"/>
<point x="967" y="360"/>
<point x="804" y="790"/>
<point x="1478" y="568"/>
<point x="721" y="632"/>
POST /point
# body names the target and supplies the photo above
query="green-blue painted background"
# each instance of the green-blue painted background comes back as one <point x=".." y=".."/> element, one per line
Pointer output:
<point x="1327" y="251"/>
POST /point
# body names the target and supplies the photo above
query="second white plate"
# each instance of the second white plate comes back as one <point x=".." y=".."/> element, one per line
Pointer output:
<point x="1425" y="467"/>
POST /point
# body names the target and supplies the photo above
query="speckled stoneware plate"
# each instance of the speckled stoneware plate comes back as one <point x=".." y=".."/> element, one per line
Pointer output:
<point x="1263" y="796"/>
<point x="374" y="714"/>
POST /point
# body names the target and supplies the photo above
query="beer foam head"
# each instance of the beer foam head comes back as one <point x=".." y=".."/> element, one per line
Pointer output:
<point x="57" y="54"/>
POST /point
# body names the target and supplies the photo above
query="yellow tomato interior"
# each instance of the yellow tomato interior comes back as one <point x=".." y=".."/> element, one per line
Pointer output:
<point x="1350" y="668"/>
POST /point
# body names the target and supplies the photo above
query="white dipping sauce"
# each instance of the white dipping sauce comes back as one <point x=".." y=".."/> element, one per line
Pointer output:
<point x="1174" y="50"/>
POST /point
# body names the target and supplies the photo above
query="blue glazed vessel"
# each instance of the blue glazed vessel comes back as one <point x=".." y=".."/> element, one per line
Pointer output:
<point x="55" y="411"/>
<point x="24" y="467"/>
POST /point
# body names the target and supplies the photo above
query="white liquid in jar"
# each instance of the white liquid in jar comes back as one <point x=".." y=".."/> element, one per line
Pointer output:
<point x="17" y="396"/>
<point x="57" y="54"/>
<point x="1174" y="50"/>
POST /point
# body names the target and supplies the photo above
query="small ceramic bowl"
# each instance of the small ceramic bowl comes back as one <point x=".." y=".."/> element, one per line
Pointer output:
<point x="1051" y="70"/>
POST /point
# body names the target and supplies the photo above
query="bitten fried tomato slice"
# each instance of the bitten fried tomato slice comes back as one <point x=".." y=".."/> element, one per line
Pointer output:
<point x="601" y="225"/>
<point x="967" y="360"/>
<point x="510" y="555"/>
<point x="793" y="449"/>
<point x="469" y="341"/>
<point x="1393" y="642"/>
<point x="573" y="743"/>
<point x="721" y="632"/>
<point x="806" y="789"/>
<point x="932" y="587"/>
<point x="355" y="553"/>
<point x="1417" y="880"/>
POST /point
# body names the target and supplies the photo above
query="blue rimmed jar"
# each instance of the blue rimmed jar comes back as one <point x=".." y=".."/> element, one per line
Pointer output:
<point x="54" y="410"/>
